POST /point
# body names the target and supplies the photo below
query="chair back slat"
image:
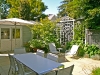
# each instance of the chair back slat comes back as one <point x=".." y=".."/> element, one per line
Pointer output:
<point x="40" y="52"/>
<point x="53" y="57"/>
<point x="13" y="65"/>
<point x="66" y="71"/>
<point x="19" y="50"/>
<point x="52" y="48"/>
<point x="12" y="60"/>
<point x="74" y="49"/>
<point x="20" y="68"/>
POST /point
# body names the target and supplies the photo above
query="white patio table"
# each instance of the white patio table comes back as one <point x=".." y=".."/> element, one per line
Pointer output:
<point x="37" y="63"/>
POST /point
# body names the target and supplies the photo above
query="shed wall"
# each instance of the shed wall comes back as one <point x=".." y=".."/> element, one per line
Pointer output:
<point x="26" y="34"/>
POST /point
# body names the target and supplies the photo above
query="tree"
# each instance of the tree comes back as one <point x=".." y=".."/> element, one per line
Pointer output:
<point x="26" y="9"/>
<point x="79" y="31"/>
<point x="44" y="32"/>
<point x="62" y="8"/>
<point x="4" y="6"/>
<point x="89" y="10"/>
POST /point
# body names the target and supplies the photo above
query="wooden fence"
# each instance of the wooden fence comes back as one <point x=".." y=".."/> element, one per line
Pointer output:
<point x="92" y="37"/>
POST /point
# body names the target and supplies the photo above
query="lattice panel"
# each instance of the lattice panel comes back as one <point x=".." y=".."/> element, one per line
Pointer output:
<point x="66" y="31"/>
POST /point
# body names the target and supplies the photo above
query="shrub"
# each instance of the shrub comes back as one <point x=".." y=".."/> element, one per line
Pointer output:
<point x="96" y="71"/>
<point x="73" y="42"/>
<point x="83" y="48"/>
<point x="35" y="43"/>
<point x="91" y="49"/>
<point x="43" y="33"/>
<point x="39" y="44"/>
<point x="80" y="51"/>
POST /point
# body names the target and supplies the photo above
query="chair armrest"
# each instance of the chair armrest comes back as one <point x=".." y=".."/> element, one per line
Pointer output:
<point x="59" y="48"/>
<point x="66" y="51"/>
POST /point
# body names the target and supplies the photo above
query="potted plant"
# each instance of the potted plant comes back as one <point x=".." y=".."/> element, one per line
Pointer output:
<point x="35" y="44"/>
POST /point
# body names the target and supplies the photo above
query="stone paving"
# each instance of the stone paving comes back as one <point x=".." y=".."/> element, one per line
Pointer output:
<point x="83" y="66"/>
<point x="4" y="65"/>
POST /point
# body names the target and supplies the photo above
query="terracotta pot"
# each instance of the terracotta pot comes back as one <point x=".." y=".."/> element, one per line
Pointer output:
<point x="35" y="49"/>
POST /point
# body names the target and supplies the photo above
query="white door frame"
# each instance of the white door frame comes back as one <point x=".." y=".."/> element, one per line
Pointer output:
<point x="10" y="43"/>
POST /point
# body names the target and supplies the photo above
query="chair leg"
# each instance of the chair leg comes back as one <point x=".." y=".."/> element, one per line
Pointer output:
<point x="9" y="71"/>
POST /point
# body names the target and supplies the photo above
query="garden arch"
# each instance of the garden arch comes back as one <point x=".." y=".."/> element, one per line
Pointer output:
<point x="66" y="29"/>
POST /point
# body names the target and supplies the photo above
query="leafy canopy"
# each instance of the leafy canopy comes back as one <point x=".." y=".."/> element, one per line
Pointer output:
<point x="44" y="32"/>
<point x="4" y="6"/>
<point x="62" y="8"/>
<point x="26" y="9"/>
<point x="88" y="10"/>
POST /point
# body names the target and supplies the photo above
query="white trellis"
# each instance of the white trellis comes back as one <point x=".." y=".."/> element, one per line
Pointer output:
<point x="66" y="29"/>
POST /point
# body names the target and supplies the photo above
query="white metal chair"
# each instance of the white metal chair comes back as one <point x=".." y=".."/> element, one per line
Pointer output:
<point x="72" y="51"/>
<point x="53" y="57"/>
<point x="19" y="50"/>
<point x="40" y="52"/>
<point x="50" y="73"/>
<point x="52" y="48"/>
<point x="13" y="66"/>
<point x="66" y="71"/>
<point x="21" y="70"/>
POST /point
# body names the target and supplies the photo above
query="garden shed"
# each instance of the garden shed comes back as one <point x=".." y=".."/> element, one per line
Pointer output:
<point x="11" y="37"/>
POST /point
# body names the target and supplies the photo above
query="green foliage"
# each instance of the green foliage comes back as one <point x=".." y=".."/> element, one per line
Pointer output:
<point x="35" y="43"/>
<point x="80" y="51"/>
<point x="88" y="10"/>
<point x="79" y="32"/>
<point x="45" y="32"/>
<point x="27" y="45"/>
<point x="73" y="42"/>
<point x="62" y="8"/>
<point x="91" y="49"/>
<point x="96" y="71"/>
<point x="39" y="44"/>
<point x="83" y="48"/>
<point x="68" y="45"/>
<point x="4" y="6"/>
<point x="77" y="42"/>
<point x="26" y="9"/>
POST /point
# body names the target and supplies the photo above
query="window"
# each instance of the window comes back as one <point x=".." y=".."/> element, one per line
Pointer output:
<point x="5" y="33"/>
<point x="17" y="34"/>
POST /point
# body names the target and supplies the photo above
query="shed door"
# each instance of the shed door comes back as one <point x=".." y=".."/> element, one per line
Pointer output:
<point x="10" y="38"/>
